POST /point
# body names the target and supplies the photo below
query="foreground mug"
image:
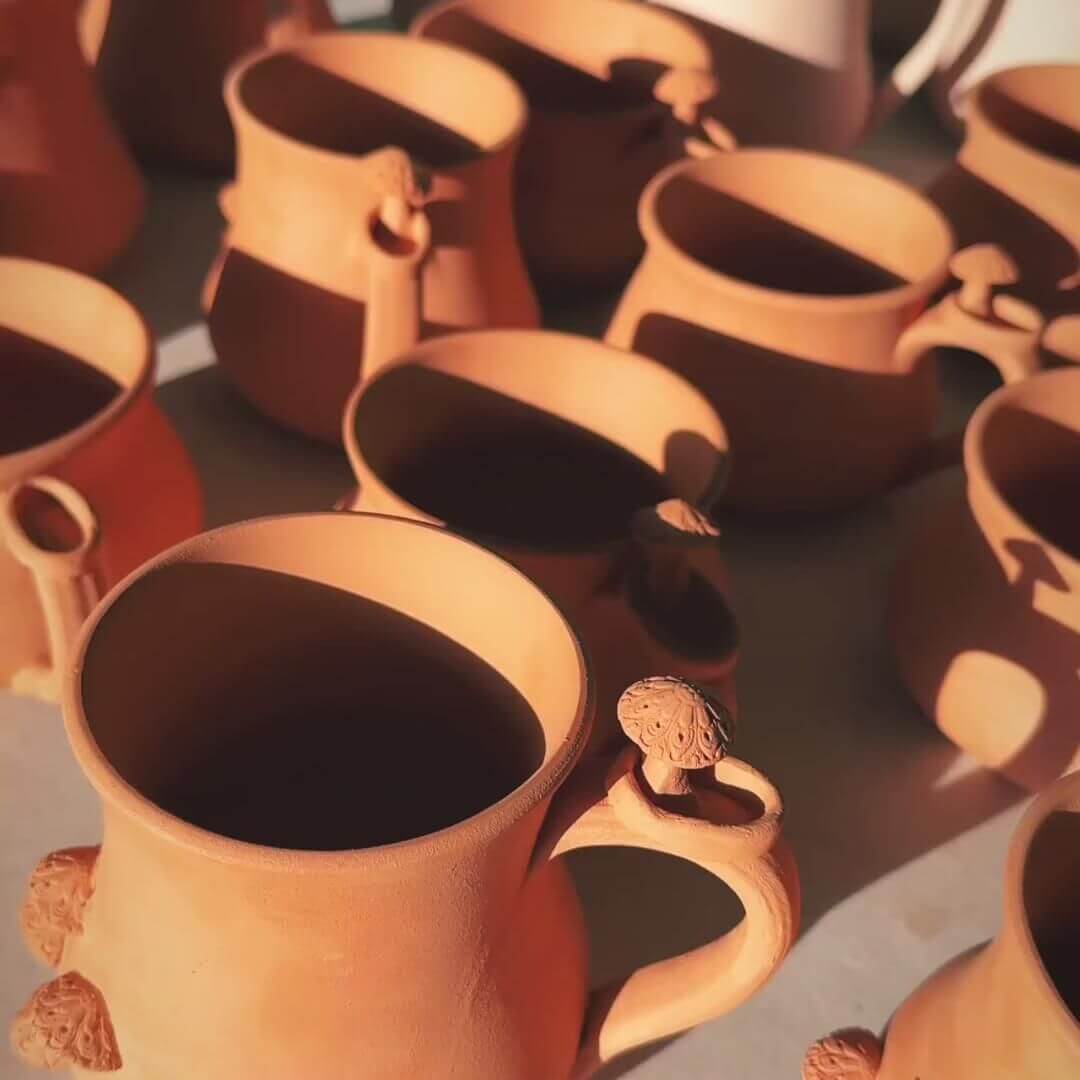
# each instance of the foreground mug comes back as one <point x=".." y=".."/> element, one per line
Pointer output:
<point x="373" y="172"/>
<point x="333" y="809"/>
<point x="583" y="466"/>
<point x="801" y="317"/>
<point x="93" y="480"/>
<point x="610" y="85"/>
<point x="985" y="610"/>
<point x="1008" y="1010"/>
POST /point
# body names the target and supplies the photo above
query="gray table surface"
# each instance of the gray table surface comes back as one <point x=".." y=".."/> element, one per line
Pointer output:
<point x="899" y="837"/>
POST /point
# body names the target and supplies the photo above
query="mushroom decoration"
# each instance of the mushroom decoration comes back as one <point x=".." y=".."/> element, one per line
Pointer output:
<point x="853" y="1054"/>
<point x="685" y="91"/>
<point x="980" y="269"/>
<point x="667" y="533"/>
<point x="1062" y="338"/>
<point x="678" y="727"/>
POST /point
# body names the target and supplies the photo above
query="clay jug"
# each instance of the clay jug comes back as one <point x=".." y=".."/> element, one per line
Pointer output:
<point x="582" y="465"/>
<point x="93" y="480"/>
<point x="804" y="318"/>
<point x="610" y="85"/>
<point x="1016" y="181"/>
<point x="160" y="64"/>
<point x="69" y="192"/>
<point x="360" y="190"/>
<point x="819" y="53"/>
<point x="985" y="612"/>
<point x="1006" y="1010"/>
<point x="333" y="810"/>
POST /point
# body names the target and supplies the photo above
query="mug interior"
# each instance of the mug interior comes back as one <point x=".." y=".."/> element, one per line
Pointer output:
<point x="330" y="682"/>
<point x="1037" y="106"/>
<point x="353" y="94"/>
<point x="776" y="220"/>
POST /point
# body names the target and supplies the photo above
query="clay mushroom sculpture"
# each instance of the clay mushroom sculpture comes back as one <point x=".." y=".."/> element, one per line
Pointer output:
<point x="667" y="534"/>
<point x="686" y="91"/>
<point x="852" y="1054"/>
<point x="981" y="269"/>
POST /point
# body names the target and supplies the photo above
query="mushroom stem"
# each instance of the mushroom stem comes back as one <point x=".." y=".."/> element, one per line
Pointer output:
<point x="665" y="779"/>
<point x="975" y="295"/>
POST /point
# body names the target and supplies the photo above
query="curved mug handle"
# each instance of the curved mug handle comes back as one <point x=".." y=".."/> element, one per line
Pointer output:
<point x="65" y="574"/>
<point x="647" y="800"/>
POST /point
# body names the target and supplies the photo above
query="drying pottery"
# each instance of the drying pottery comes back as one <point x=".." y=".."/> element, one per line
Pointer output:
<point x="93" y="480"/>
<point x="802" y="317"/>
<point x="360" y="192"/>
<point x="1009" y="1009"/>
<point x="1016" y="181"/>
<point x="985" y="612"/>
<point x="819" y="54"/>
<point x="160" y="64"/>
<point x="613" y="88"/>
<point x="589" y="468"/>
<point x="69" y="191"/>
<point x="264" y="871"/>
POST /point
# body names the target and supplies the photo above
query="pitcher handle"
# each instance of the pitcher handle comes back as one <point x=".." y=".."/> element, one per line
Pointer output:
<point x="65" y="577"/>
<point x="646" y="800"/>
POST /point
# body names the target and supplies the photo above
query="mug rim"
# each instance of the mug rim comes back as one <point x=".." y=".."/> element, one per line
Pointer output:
<point x="118" y="793"/>
<point x="657" y="239"/>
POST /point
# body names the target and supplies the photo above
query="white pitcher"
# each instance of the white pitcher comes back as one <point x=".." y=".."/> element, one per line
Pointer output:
<point x="798" y="73"/>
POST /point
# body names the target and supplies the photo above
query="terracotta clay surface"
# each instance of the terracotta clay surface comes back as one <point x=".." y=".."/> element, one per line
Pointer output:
<point x="361" y="196"/>
<point x="161" y="63"/>
<point x="69" y="191"/>
<point x="985" y="611"/>
<point x="804" y="319"/>
<point x="598" y="126"/>
<point x="455" y="949"/>
<point x="1005" y="1010"/>
<point x="93" y="480"/>
<point x="580" y="464"/>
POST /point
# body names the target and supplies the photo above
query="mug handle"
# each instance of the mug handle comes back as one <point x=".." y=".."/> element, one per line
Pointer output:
<point x="647" y="802"/>
<point x="65" y="577"/>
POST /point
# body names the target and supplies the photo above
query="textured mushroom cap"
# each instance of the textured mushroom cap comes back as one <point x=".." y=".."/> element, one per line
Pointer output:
<point x="676" y="721"/>
<point x="682" y="87"/>
<point x="673" y="521"/>
<point x="984" y="262"/>
<point x="853" y="1054"/>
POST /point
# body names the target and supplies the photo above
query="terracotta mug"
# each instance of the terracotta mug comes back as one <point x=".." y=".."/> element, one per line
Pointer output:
<point x="161" y="63"/>
<point x="1006" y="1010"/>
<point x="333" y="813"/>
<point x="69" y="191"/>
<point x="93" y="480"/>
<point x="590" y="469"/>
<point x="360" y="191"/>
<point x="985" y="611"/>
<point x="803" y="318"/>
<point x="1016" y="180"/>
<point x="612" y="86"/>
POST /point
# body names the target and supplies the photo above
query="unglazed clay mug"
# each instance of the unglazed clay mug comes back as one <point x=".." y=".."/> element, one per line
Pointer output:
<point x="333" y="809"/>
<point x="69" y="191"/>
<point x="612" y="86"/>
<point x="1006" y="1010"/>
<point x="985" y="609"/>
<point x="373" y="176"/>
<point x="802" y="317"/>
<point x="93" y="480"/>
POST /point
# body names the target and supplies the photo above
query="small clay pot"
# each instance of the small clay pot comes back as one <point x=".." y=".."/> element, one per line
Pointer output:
<point x="802" y="318"/>
<point x="160" y="64"/>
<point x="69" y="191"/>
<point x="93" y="480"/>
<point x="361" y="195"/>
<point x="612" y="87"/>
<point x="985" y="612"/>
<point x="1008" y="1009"/>
<point x="265" y="873"/>
<point x="589" y="468"/>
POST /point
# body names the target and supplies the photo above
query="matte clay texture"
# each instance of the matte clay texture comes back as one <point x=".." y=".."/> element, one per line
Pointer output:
<point x="1007" y="1009"/>
<point x="77" y="366"/>
<point x="546" y="447"/>
<point x="984" y="615"/>
<point x="403" y="191"/>
<point x="426" y="706"/>
<point x="803" y="319"/>
<point x="69" y="191"/>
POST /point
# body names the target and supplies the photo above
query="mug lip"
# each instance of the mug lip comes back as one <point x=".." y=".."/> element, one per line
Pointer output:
<point x="119" y="794"/>
<point x="978" y="474"/>
<point x="417" y="353"/>
<point x="30" y="459"/>
<point x="657" y="239"/>
<point x="237" y="107"/>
